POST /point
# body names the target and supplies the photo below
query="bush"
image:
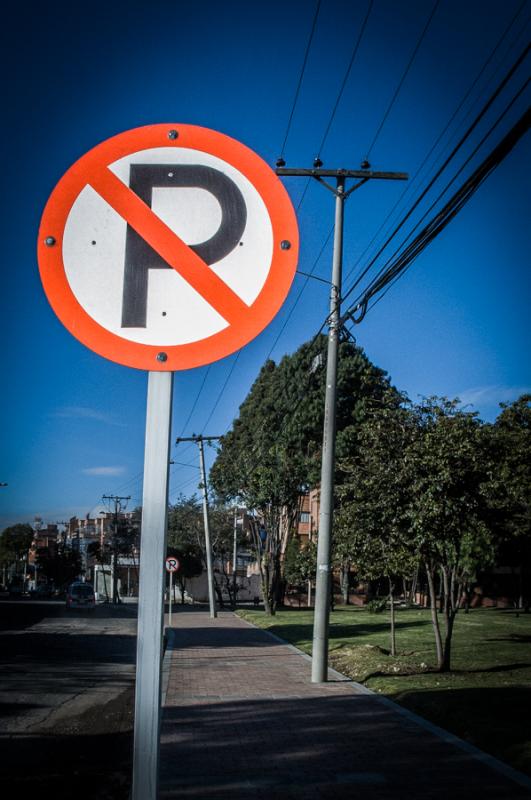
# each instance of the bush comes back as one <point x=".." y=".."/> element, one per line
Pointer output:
<point x="377" y="605"/>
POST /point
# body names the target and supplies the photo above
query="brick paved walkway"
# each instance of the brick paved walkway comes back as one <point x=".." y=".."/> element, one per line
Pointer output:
<point x="243" y="721"/>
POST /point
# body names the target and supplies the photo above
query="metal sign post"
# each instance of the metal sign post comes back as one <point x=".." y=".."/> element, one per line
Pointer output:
<point x="171" y="590"/>
<point x="151" y="595"/>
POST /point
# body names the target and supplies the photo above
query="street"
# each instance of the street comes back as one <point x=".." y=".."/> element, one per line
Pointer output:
<point x="66" y="699"/>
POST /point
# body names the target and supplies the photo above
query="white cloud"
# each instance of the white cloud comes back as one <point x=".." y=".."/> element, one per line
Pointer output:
<point x="84" y="412"/>
<point x="493" y="394"/>
<point x="104" y="471"/>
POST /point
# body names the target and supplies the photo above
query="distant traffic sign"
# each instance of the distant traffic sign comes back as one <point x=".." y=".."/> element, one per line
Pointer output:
<point x="172" y="564"/>
<point x="168" y="247"/>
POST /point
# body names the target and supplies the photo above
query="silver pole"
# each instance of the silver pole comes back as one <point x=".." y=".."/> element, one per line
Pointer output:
<point x="235" y="551"/>
<point x="210" y="573"/>
<point x="171" y="589"/>
<point x="151" y="590"/>
<point x="324" y="539"/>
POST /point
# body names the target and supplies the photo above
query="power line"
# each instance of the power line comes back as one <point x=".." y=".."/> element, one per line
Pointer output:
<point x="441" y="169"/>
<point x="403" y="78"/>
<point x="222" y="390"/>
<point x="337" y="101"/>
<point x="441" y="220"/>
<point x="196" y="400"/>
<point x="303" y="287"/>
<point x="411" y="183"/>
<point x="346" y="77"/>
<point x="299" y="84"/>
<point x="454" y="178"/>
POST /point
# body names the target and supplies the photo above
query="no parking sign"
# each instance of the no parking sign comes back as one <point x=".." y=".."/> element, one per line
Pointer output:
<point x="164" y="248"/>
<point x="168" y="247"/>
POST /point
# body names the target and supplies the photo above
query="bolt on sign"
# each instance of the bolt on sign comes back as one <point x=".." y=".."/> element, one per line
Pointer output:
<point x="168" y="247"/>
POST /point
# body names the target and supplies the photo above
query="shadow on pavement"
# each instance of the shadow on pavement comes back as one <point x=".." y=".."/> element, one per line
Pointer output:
<point x="331" y="748"/>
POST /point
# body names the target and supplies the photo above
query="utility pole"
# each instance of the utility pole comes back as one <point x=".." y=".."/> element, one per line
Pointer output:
<point x="208" y="547"/>
<point x="234" y="554"/>
<point x="323" y="582"/>
<point x="117" y="507"/>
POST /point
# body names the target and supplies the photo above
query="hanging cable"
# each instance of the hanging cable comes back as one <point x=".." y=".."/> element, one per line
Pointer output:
<point x="441" y="169"/>
<point x="345" y="78"/>
<point x="303" y="287"/>
<point x="412" y="181"/>
<point x="459" y="171"/>
<point x="195" y="401"/>
<point x="238" y="354"/>
<point x="403" y="78"/>
<point x="338" y="98"/>
<point x="441" y="220"/>
<point x="301" y="76"/>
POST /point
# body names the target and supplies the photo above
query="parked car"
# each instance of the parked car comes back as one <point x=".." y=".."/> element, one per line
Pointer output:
<point x="80" y="595"/>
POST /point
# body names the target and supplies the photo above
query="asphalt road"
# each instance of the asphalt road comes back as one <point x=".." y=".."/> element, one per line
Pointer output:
<point x="66" y="700"/>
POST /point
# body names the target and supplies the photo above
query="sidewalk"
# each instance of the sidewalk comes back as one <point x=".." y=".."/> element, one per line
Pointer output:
<point x="242" y="720"/>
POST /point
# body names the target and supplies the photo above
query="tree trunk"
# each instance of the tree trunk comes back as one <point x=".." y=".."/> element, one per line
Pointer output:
<point x="392" y="601"/>
<point x="452" y="599"/>
<point x="430" y="572"/>
<point x="413" y="589"/>
<point x="264" y="580"/>
<point x="345" y="579"/>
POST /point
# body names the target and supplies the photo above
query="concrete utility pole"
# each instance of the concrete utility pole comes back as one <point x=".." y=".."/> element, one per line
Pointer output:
<point x="234" y="553"/>
<point x="208" y="547"/>
<point x="117" y="507"/>
<point x="324" y="540"/>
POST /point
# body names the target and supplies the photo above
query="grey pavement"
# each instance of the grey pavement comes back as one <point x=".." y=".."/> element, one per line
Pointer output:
<point x="242" y="720"/>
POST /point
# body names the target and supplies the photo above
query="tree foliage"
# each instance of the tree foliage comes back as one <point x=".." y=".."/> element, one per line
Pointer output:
<point x="186" y="533"/>
<point x="60" y="565"/>
<point x="372" y="525"/>
<point x="509" y="488"/>
<point x="447" y="512"/>
<point x="15" y="542"/>
<point x="273" y="452"/>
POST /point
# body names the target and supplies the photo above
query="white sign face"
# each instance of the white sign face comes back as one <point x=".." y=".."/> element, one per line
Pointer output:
<point x="100" y="248"/>
<point x="172" y="564"/>
<point x="168" y="249"/>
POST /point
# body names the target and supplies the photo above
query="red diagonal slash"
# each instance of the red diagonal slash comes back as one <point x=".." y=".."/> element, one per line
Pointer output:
<point x="169" y="246"/>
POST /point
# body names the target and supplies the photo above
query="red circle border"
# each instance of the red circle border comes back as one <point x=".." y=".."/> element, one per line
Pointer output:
<point x="194" y="354"/>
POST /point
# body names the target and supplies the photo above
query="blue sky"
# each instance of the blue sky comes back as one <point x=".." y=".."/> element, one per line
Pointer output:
<point x="456" y="324"/>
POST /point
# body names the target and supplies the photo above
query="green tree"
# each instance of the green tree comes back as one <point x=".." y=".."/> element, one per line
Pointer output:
<point x="186" y="533"/>
<point x="372" y="527"/>
<point x="15" y="541"/>
<point x="273" y="452"/>
<point x="509" y="488"/>
<point x="449" y="469"/>
<point x="60" y="565"/>
<point x="300" y="563"/>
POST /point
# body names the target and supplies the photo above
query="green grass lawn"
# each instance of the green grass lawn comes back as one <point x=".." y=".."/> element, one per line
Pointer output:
<point x="486" y="699"/>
